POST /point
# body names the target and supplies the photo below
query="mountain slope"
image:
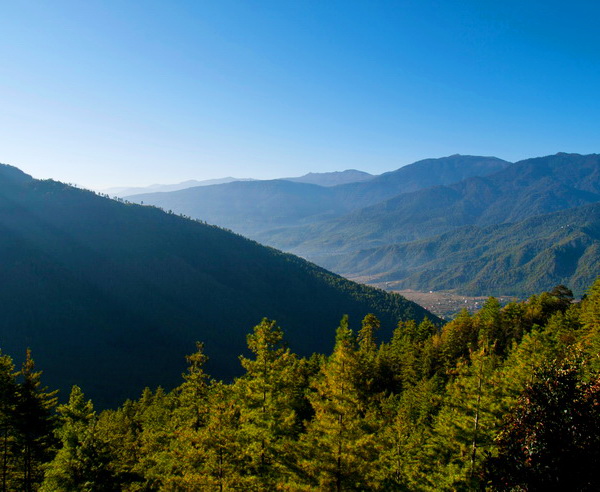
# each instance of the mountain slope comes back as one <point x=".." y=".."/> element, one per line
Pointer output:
<point x="252" y="208"/>
<point x="111" y="296"/>
<point x="248" y="207"/>
<point x="508" y="259"/>
<point x="418" y="175"/>
<point x="524" y="189"/>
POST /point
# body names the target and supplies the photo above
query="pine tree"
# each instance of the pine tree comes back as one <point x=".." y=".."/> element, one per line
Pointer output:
<point x="192" y="409"/>
<point x="212" y="457"/>
<point x="400" y="358"/>
<point x="590" y="319"/>
<point x="154" y="416"/>
<point x="340" y="442"/>
<point x="34" y="440"/>
<point x="457" y="339"/>
<point x="490" y="324"/>
<point x="265" y="395"/>
<point x="83" y="463"/>
<point x="408" y="420"/>
<point x="8" y="401"/>
<point x="369" y="377"/>
<point x="467" y="422"/>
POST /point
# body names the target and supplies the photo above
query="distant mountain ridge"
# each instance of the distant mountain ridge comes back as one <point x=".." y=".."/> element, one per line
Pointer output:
<point x="111" y="296"/>
<point x="257" y="207"/>
<point x="523" y="189"/>
<point x="333" y="178"/>
<point x="248" y="207"/>
<point x="160" y="188"/>
<point x="417" y="176"/>
<point x="322" y="179"/>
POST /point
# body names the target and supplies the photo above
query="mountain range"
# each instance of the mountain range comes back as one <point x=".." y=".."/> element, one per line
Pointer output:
<point x="523" y="189"/>
<point x="123" y="191"/>
<point x="252" y="208"/>
<point x="335" y="226"/>
<point x="321" y="179"/>
<point x="111" y="296"/>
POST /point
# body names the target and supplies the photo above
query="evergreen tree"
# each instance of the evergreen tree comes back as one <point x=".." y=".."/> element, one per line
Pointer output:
<point x="590" y="319"/>
<point x="408" y="420"/>
<point x="265" y="396"/>
<point x="120" y="431"/>
<point x="340" y="442"/>
<point x="491" y="329"/>
<point x="34" y="440"/>
<point x="467" y="422"/>
<point x="8" y="401"/>
<point x="369" y="377"/>
<point x="212" y="457"/>
<point x="191" y="408"/>
<point x="83" y="463"/>
<point x="401" y="357"/>
<point x="154" y="416"/>
<point x="457" y="339"/>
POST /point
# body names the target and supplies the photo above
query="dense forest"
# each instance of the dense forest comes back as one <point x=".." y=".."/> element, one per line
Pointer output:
<point x="506" y="399"/>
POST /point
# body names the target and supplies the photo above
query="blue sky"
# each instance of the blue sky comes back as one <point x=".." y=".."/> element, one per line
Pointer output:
<point x="138" y="92"/>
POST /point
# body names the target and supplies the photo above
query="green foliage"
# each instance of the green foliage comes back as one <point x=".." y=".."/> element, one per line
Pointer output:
<point x="8" y="405"/>
<point x="267" y="420"/>
<point x="466" y="424"/>
<point x="515" y="258"/>
<point x="340" y="443"/>
<point x="506" y="399"/>
<point x="590" y="319"/>
<point x="33" y="441"/>
<point x="83" y="462"/>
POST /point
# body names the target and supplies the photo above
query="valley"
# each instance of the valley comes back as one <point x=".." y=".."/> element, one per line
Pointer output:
<point x="444" y="304"/>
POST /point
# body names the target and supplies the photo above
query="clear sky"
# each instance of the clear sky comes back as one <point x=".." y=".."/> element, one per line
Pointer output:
<point x="107" y="93"/>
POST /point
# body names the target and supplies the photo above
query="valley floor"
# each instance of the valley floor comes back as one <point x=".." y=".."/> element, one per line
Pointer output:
<point x="445" y="304"/>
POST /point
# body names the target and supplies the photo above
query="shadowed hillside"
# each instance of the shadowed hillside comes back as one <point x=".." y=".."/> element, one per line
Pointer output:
<point x="97" y="287"/>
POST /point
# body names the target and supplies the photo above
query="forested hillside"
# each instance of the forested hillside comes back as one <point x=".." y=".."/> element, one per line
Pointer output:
<point x="506" y="399"/>
<point x="97" y="287"/>
<point x="506" y="259"/>
<point x="247" y="207"/>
